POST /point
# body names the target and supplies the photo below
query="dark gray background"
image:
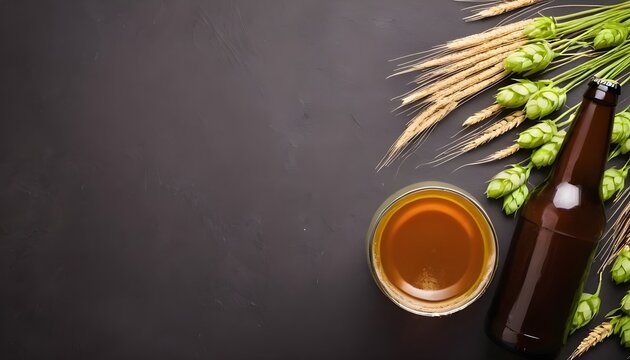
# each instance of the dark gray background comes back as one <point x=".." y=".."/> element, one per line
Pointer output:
<point x="194" y="179"/>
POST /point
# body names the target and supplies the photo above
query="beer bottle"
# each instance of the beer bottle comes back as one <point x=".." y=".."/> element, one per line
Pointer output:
<point x="556" y="234"/>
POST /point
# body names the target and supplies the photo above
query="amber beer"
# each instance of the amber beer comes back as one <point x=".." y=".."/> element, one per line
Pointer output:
<point x="556" y="235"/>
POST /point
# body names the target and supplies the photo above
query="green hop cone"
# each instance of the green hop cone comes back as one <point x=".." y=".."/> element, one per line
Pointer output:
<point x="625" y="146"/>
<point x="587" y="308"/>
<point x="537" y="135"/>
<point x="543" y="27"/>
<point x="514" y="200"/>
<point x="516" y="95"/>
<point x="621" y="327"/>
<point x="625" y="304"/>
<point x="530" y="58"/>
<point x="612" y="182"/>
<point x="546" y="154"/>
<point x="621" y="128"/>
<point x="610" y="35"/>
<point x="620" y="269"/>
<point x="544" y="102"/>
<point x="507" y="181"/>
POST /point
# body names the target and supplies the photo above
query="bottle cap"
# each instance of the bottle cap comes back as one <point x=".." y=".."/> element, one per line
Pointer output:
<point x="605" y="85"/>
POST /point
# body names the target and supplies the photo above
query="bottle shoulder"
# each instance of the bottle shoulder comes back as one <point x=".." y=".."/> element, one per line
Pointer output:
<point x="567" y="208"/>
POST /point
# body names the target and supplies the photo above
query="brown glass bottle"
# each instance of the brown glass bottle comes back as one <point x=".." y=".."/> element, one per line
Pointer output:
<point x="555" y="236"/>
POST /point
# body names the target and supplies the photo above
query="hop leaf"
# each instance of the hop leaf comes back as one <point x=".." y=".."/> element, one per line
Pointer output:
<point x="612" y="182"/>
<point x="514" y="200"/>
<point x="625" y="304"/>
<point x="516" y="95"/>
<point x="621" y="128"/>
<point x="610" y="35"/>
<point x="546" y="154"/>
<point x="530" y="58"/>
<point x="620" y="269"/>
<point x="543" y="27"/>
<point x="537" y="135"/>
<point x="544" y="102"/>
<point x="507" y="181"/>
<point x="587" y="308"/>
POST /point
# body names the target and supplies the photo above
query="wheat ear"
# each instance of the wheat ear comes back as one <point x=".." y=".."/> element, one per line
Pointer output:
<point x="495" y="70"/>
<point x="501" y="8"/>
<point x="471" y="61"/>
<point x="420" y="123"/>
<point x="501" y="127"/>
<point x="483" y="114"/>
<point x="459" y="55"/>
<point x="475" y="89"/>
<point x="503" y="153"/>
<point x="597" y="335"/>
<point x="486" y="36"/>
<point x="449" y="81"/>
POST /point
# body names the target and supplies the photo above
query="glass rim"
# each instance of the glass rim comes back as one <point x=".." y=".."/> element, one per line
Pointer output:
<point x="488" y="273"/>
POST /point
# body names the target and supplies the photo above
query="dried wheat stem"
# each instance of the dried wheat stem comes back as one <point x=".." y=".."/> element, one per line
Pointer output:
<point x="501" y="9"/>
<point x="497" y="69"/>
<point x="420" y="123"/>
<point x="501" y="127"/>
<point x="500" y="52"/>
<point x="487" y="36"/>
<point x="619" y="237"/>
<point x="597" y="335"/>
<point x="483" y="114"/>
<point x="466" y="53"/>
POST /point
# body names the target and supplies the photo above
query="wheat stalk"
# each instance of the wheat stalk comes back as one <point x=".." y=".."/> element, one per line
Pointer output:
<point x="483" y="114"/>
<point x="501" y="8"/>
<point x="474" y="89"/>
<point x="493" y="48"/>
<point x="468" y="82"/>
<point x="449" y="81"/>
<point x="501" y="127"/>
<point x="432" y="115"/>
<point x="501" y="154"/>
<point x="463" y="54"/>
<point x="597" y="335"/>
<point x="616" y="236"/>
<point x="420" y="123"/>
<point x="487" y="36"/>
<point x="471" y="61"/>
<point x="498" y="155"/>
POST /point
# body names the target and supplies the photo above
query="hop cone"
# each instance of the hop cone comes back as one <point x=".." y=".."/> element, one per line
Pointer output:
<point x="544" y="102"/>
<point x="546" y="154"/>
<point x="612" y="182"/>
<point x="514" y="200"/>
<point x="620" y="270"/>
<point x="611" y="35"/>
<point x="587" y="308"/>
<point x="516" y="95"/>
<point x="625" y="146"/>
<point x="625" y="304"/>
<point x="530" y="58"/>
<point x="537" y="135"/>
<point x="621" y="128"/>
<point x="621" y="327"/>
<point x="543" y="27"/>
<point x="507" y="181"/>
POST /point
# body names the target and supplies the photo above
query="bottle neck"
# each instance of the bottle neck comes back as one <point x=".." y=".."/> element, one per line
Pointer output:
<point x="582" y="158"/>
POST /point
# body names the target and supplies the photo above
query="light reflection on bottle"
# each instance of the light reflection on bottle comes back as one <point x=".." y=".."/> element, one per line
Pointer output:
<point x="567" y="196"/>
